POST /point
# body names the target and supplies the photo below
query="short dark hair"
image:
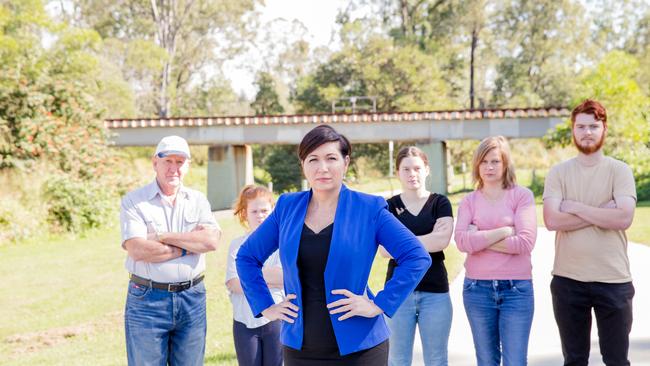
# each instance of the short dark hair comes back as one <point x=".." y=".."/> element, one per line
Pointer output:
<point x="321" y="135"/>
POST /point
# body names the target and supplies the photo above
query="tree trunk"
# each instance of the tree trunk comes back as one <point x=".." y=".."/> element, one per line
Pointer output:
<point x="168" y="20"/>
<point x="471" y="65"/>
<point x="406" y="19"/>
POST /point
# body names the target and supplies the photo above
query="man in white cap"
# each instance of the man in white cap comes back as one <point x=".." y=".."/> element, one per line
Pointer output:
<point x="166" y="229"/>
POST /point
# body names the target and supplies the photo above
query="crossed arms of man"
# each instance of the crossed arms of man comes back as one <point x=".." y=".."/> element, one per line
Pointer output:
<point x="567" y="215"/>
<point x="144" y="245"/>
<point x="161" y="247"/>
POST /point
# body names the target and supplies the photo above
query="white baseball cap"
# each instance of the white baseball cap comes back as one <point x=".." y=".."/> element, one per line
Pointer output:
<point x="173" y="145"/>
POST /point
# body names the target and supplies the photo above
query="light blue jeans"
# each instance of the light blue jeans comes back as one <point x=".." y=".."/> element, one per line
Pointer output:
<point x="432" y="312"/>
<point x="165" y="327"/>
<point x="500" y="313"/>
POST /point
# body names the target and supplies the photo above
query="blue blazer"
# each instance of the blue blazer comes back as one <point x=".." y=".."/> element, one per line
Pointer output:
<point x="361" y="223"/>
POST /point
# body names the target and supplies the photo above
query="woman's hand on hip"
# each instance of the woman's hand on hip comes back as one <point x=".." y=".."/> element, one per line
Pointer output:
<point x="285" y="310"/>
<point x="353" y="305"/>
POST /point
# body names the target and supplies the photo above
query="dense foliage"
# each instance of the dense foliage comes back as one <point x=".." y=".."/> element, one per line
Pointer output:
<point x="51" y="127"/>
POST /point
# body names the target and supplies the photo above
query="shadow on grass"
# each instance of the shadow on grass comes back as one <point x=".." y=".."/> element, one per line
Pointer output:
<point x="220" y="358"/>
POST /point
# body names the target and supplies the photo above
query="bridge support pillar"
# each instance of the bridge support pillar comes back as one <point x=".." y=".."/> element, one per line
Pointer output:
<point x="230" y="167"/>
<point x="437" y="153"/>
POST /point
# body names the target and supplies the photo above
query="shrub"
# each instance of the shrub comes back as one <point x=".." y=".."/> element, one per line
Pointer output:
<point x="283" y="165"/>
<point x="537" y="184"/>
<point x="75" y="205"/>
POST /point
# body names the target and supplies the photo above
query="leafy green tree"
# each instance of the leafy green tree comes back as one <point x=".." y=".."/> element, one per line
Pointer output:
<point x="213" y="97"/>
<point x="280" y="161"/>
<point x="194" y="35"/>
<point x="267" y="101"/>
<point x="49" y="118"/>
<point x="402" y="78"/>
<point x="618" y="24"/>
<point x="283" y="165"/>
<point x="534" y="61"/>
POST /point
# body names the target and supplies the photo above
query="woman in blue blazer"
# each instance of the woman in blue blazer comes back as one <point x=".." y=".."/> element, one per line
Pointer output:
<point x="328" y="238"/>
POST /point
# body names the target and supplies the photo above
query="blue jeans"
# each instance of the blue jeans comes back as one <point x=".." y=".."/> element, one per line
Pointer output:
<point x="500" y="314"/>
<point x="432" y="313"/>
<point x="165" y="327"/>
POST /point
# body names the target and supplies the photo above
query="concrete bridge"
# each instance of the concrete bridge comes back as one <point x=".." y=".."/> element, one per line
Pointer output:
<point x="230" y="164"/>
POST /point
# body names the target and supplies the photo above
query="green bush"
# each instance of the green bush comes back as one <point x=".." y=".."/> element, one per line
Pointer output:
<point x="643" y="188"/>
<point x="283" y="165"/>
<point x="537" y="184"/>
<point x="76" y="206"/>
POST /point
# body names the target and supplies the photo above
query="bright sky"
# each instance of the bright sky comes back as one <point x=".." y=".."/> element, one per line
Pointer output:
<point x="318" y="16"/>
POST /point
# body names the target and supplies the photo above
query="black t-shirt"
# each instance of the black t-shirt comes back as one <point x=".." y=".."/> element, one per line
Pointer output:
<point x="437" y="206"/>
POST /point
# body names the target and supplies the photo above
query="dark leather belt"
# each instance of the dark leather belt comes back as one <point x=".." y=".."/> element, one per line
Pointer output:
<point x="170" y="287"/>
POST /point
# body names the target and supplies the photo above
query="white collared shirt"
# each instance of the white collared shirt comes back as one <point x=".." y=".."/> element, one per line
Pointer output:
<point x="144" y="211"/>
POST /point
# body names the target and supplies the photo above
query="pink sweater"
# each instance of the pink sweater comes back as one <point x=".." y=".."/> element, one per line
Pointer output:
<point x="517" y="209"/>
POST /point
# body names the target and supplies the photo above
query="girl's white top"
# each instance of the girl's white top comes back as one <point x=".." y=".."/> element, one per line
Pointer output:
<point x="241" y="311"/>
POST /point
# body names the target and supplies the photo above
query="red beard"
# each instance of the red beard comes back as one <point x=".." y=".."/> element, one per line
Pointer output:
<point x="591" y="148"/>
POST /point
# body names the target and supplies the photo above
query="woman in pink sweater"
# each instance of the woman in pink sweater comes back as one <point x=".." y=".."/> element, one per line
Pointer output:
<point x="497" y="228"/>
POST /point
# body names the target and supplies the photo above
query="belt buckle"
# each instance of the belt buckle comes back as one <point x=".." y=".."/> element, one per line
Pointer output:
<point x="179" y="286"/>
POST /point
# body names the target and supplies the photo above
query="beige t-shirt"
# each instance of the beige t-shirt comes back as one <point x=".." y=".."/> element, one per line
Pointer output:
<point x="591" y="254"/>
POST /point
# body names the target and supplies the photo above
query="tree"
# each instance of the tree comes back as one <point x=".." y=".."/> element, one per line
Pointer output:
<point x="435" y="27"/>
<point x="194" y="34"/>
<point x="617" y="24"/>
<point x="535" y="64"/>
<point x="213" y="97"/>
<point x="49" y="119"/>
<point x="402" y="78"/>
<point x="266" y="100"/>
<point x="283" y="165"/>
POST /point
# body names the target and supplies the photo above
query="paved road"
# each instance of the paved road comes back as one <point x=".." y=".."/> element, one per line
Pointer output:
<point x="544" y="346"/>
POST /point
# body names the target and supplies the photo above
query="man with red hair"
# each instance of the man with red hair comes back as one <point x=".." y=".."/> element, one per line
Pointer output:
<point x="589" y="201"/>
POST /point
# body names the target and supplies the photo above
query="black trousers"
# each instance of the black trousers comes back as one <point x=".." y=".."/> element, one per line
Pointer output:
<point x="612" y="305"/>
<point x="258" y="346"/>
<point x="375" y="356"/>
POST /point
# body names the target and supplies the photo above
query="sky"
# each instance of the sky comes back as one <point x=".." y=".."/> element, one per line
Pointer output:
<point x="318" y="16"/>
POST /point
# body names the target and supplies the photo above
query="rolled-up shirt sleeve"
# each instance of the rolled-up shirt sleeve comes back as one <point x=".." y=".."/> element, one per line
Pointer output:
<point x="132" y="224"/>
<point x="468" y="241"/>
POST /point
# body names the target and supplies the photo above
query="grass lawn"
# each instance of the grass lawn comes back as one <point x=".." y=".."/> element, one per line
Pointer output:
<point x="639" y="232"/>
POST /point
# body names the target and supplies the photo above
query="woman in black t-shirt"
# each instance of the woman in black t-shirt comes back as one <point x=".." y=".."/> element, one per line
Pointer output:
<point x="429" y="216"/>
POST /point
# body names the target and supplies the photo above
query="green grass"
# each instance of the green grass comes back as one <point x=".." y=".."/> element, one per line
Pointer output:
<point x="67" y="299"/>
<point x="639" y="232"/>
<point x="385" y="184"/>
